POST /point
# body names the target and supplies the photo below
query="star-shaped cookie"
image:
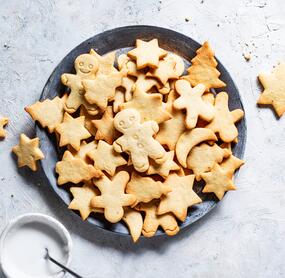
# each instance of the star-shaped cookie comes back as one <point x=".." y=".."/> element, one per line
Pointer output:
<point x="105" y="127"/>
<point x="152" y="221"/>
<point x="75" y="170"/>
<point x="145" y="188"/>
<point x="113" y="197"/>
<point x="147" y="54"/>
<point x="202" y="158"/>
<point x="231" y="164"/>
<point x="72" y="131"/>
<point x="274" y="89"/>
<point x="28" y="152"/>
<point x="218" y="181"/>
<point x="191" y="100"/>
<point x="165" y="71"/>
<point x="49" y="113"/>
<point x="224" y="120"/>
<point x="85" y="148"/>
<point x="102" y="89"/>
<point x="105" y="158"/>
<point x="180" y="198"/>
<point x="3" y="122"/>
<point x="164" y="168"/>
<point x="149" y="106"/>
<point x="82" y="199"/>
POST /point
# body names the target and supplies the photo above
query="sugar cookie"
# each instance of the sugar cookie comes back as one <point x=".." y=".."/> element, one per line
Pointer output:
<point x="105" y="158"/>
<point x="145" y="188"/>
<point x="181" y="196"/>
<point x="147" y="54"/>
<point x="191" y="138"/>
<point x="152" y="221"/>
<point x="224" y="120"/>
<point x="113" y="197"/>
<point x="28" y="152"/>
<point x="274" y="89"/>
<point x="75" y="170"/>
<point x="137" y="139"/>
<point x="72" y="131"/>
<point x="191" y="100"/>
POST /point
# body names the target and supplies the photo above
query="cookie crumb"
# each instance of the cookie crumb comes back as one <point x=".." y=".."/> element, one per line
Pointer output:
<point x="218" y="25"/>
<point x="247" y="56"/>
<point x="12" y="196"/>
<point x="187" y="19"/>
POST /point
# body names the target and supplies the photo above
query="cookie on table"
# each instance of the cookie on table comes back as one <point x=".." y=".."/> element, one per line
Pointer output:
<point x="274" y="89"/>
<point x="3" y="123"/>
<point x="28" y="152"/>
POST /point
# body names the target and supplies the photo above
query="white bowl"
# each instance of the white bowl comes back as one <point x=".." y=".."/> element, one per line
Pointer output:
<point x="23" y="243"/>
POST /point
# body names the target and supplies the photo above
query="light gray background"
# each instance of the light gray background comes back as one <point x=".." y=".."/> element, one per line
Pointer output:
<point x="244" y="235"/>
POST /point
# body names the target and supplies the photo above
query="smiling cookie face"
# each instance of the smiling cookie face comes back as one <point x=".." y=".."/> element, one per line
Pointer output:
<point x="126" y="119"/>
<point x="86" y="64"/>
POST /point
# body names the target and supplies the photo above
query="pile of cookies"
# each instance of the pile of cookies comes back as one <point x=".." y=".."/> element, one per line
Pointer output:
<point x="137" y="137"/>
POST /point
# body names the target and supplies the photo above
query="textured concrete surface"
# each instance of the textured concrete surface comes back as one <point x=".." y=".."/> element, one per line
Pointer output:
<point x="244" y="235"/>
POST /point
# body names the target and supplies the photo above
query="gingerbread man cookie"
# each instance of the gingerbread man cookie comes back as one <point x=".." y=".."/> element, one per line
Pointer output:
<point x="137" y="139"/>
<point x="86" y="67"/>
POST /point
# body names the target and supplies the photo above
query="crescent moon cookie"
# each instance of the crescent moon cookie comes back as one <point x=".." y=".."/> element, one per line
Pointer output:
<point x="274" y="89"/>
<point x="137" y="139"/>
<point x="190" y="139"/>
<point x="143" y="138"/>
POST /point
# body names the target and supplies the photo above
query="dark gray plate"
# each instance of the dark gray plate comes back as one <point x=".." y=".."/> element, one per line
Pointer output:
<point x="120" y="39"/>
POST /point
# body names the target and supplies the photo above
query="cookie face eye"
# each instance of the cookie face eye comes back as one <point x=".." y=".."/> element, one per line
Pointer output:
<point x="140" y="145"/>
<point x="136" y="136"/>
<point x="121" y="123"/>
<point x="90" y="66"/>
<point x="132" y="118"/>
<point x="81" y="64"/>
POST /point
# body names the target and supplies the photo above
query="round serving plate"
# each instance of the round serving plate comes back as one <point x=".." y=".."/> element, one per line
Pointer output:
<point x="121" y="40"/>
